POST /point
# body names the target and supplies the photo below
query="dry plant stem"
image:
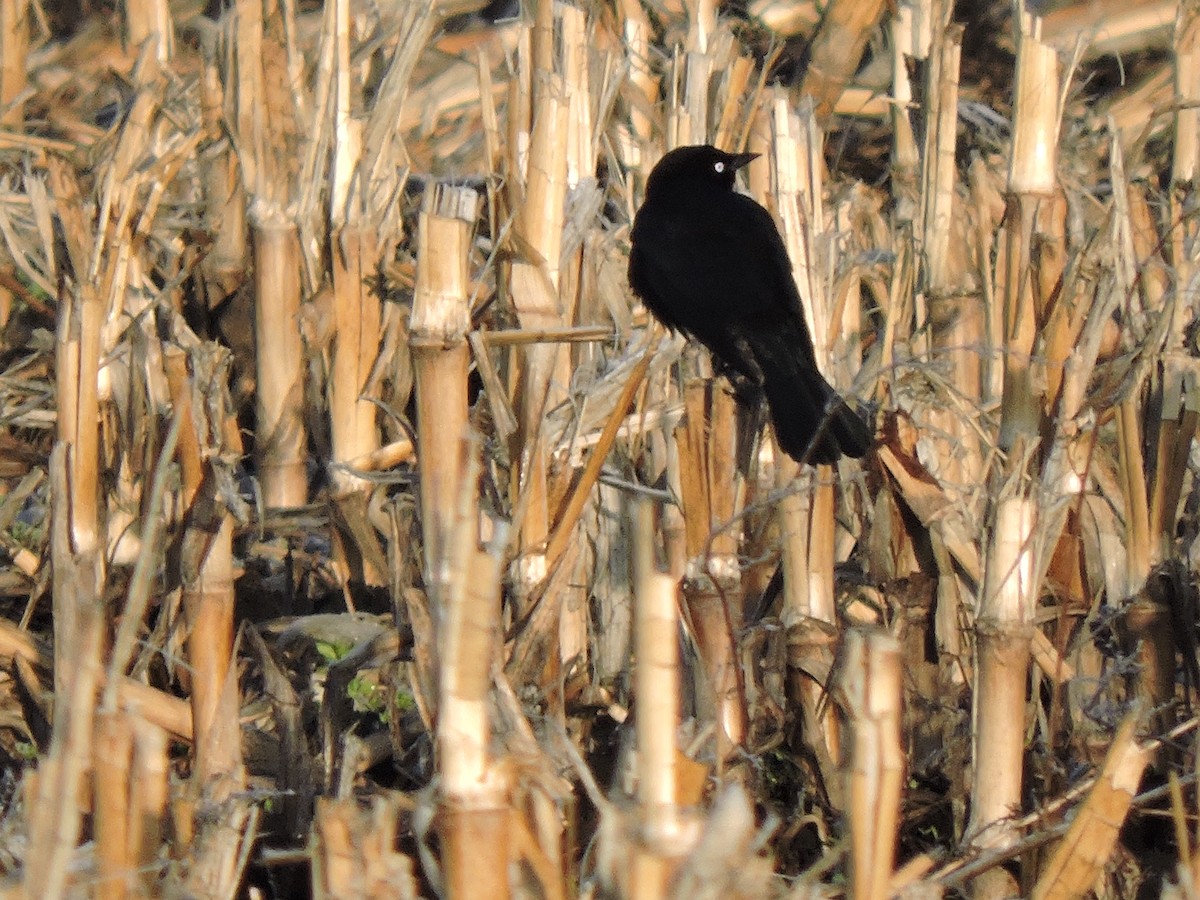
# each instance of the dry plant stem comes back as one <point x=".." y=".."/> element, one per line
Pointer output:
<point x="571" y="29"/>
<point x="535" y="285"/>
<point x="356" y="312"/>
<point x="354" y="856"/>
<point x="957" y="317"/>
<point x="1004" y="621"/>
<point x="809" y="613"/>
<point x="1185" y="170"/>
<point x="906" y="157"/>
<point x="219" y="850"/>
<point x="1079" y="860"/>
<point x="191" y="465"/>
<point x="81" y="315"/>
<point x="112" y="757"/>
<point x="207" y="590"/>
<point x="940" y="172"/>
<point x="224" y="193"/>
<point x="280" y="449"/>
<point x="687" y="121"/>
<point x="208" y="604"/>
<point x="1137" y="513"/>
<point x="1031" y="178"/>
<point x="1110" y="26"/>
<point x="150" y="20"/>
<point x="14" y="45"/>
<point x="1150" y="620"/>
<point x="643" y="90"/>
<point x="1064" y="318"/>
<point x="1003" y="629"/>
<point x="164" y="711"/>
<point x="78" y="434"/>
<point x="656" y="687"/>
<point x="76" y="555"/>
<point x="582" y="488"/>
<point x="837" y="49"/>
<point x="55" y="813"/>
<point x="806" y="518"/>
<point x="437" y="336"/>
<point x="712" y="587"/>
<point x="957" y="329"/>
<point x="1179" y="418"/>
<point x="1020" y="405"/>
<point x="474" y="817"/>
<point x="871" y="684"/>
<point x="147" y="802"/>
<point x="225" y="199"/>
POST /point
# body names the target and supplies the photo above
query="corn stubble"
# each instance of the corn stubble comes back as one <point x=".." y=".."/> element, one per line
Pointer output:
<point x="977" y="671"/>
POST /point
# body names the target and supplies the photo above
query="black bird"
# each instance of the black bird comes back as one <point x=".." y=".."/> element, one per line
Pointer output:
<point x="709" y="262"/>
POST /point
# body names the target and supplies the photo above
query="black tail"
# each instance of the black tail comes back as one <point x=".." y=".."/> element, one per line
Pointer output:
<point x="812" y="423"/>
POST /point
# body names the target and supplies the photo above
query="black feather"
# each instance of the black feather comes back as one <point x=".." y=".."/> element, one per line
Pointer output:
<point x="709" y="262"/>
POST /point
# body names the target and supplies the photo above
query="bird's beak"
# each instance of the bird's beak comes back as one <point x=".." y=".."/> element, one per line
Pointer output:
<point x="739" y="160"/>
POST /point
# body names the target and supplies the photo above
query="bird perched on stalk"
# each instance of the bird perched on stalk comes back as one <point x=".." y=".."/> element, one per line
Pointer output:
<point x="709" y="262"/>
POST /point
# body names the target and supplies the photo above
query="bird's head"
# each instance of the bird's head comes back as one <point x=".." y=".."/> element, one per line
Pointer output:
<point x="696" y="166"/>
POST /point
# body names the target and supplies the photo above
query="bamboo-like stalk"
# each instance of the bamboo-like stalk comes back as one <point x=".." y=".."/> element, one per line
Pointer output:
<point x="14" y="46"/>
<point x="1012" y="569"/>
<point x="55" y="815"/>
<point x="687" y="118"/>
<point x="440" y="321"/>
<point x="112" y="759"/>
<point x="957" y="322"/>
<point x="161" y="710"/>
<point x="712" y="586"/>
<point x="957" y="333"/>
<point x="1031" y="178"/>
<point x="577" y="56"/>
<point x="806" y="517"/>
<point x="354" y="239"/>
<point x="837" y="49"/>
<point x="147" y="807"/>
<point x="208" y="603"/>
<point x="224" y="193"/>
<point x="474" y="816"/>
<point x="908" y="40"/>
<point x="207" y="593"/>
<point x="280" y="448"/>
<point x="76" y="555"/>
<point x="1003" y="628"/>
<point x="635" y="29"/>
<point x="150" y="20"/>
<point x="656" y="686"/>
<point x="79" y="332"/>
<point x="357" y="317"/>
<point x="535" y="283"/>
<point x="1110" y="26"/>
<point x="870" y="682"/>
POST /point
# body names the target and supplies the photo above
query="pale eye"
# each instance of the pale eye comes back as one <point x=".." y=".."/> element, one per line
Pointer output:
<point x="719" y="167"/>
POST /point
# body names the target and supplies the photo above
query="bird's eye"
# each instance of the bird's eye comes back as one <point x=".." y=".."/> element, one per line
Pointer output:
<point x="719" y="167"/>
